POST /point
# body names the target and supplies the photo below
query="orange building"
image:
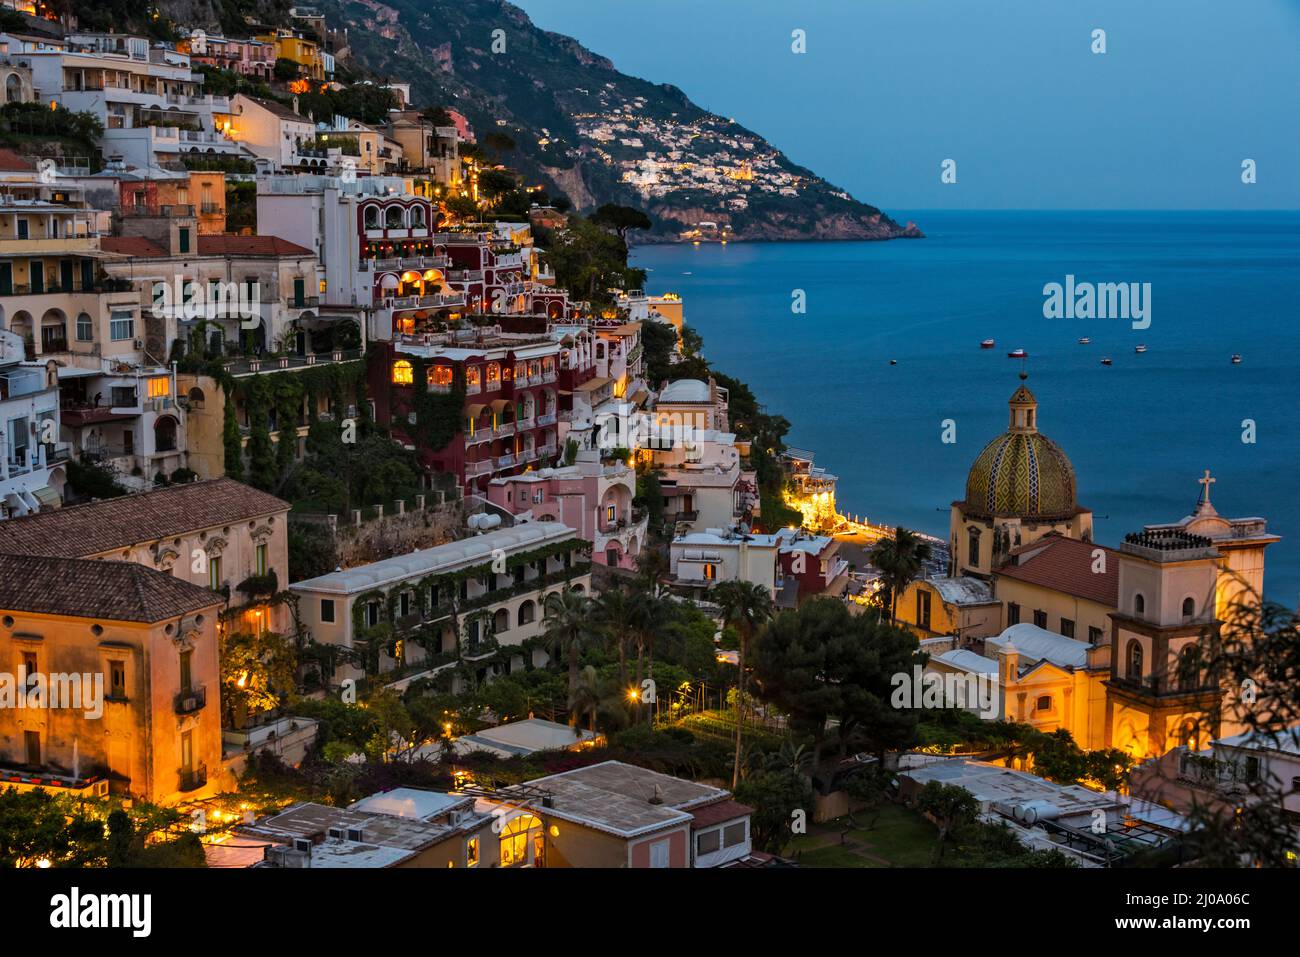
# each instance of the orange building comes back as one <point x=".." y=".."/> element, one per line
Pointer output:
<point x="111" y="670"/>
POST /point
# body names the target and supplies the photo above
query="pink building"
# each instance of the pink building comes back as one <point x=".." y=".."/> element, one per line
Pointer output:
<point x="592" y="498"/>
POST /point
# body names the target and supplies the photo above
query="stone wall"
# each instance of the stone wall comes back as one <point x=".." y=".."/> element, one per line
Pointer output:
<point x="436" y="519"/>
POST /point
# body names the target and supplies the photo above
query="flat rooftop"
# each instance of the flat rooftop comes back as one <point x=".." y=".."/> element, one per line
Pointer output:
<point x="617" y="798"/>
<point x="524" y="737"/>
<point x="467" y="552"/>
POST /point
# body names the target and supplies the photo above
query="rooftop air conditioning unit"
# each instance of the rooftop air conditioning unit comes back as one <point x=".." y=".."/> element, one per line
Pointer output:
<point x="302" y="844"/>
<point x="356" y="834"/>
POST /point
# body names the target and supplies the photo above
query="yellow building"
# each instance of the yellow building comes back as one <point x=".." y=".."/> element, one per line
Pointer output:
<point x="300" y="49"/>
<point x="964" y="608"/>
<point x="127" y="657"/>
<point x="1062" y="585"/>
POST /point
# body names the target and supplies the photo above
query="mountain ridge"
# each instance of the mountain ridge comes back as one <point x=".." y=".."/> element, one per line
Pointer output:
<point x="594" y="133"/>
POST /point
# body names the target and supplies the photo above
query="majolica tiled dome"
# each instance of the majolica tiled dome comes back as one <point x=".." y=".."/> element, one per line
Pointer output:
<point x="1022" y="472"/>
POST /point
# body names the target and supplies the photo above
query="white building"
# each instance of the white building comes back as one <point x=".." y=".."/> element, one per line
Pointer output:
<point x="32" y="463"/>
<point x="450" y="597"/>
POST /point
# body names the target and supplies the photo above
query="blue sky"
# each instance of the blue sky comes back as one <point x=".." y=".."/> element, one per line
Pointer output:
<point x="1010" y="89"/>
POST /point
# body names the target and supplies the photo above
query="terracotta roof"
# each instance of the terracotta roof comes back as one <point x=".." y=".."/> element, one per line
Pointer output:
<point x="12" y="162"/>
<point x="720" y="811"/>
<point x="85" y="530"/>
<point x="85" y="588"/>
<point x="278" y="109"/>
<point x="1066" y="565"/>
<point x="136" y="246"/>
<point x="228" y="244"/>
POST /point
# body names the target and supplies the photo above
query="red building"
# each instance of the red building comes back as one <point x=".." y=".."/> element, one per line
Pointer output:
<point x="510" y="415"/>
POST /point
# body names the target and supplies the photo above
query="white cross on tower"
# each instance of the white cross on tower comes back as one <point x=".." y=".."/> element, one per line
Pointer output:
<point x="1206" y="482"/>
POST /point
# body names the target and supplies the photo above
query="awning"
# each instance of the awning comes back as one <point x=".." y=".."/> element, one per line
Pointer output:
<point x="591" y="385"/>
<point x="48" y="497"/>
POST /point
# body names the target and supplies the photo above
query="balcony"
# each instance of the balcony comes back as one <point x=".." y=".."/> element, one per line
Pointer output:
<point x="191" y="701"/>
<point x="525" y="423"/>
<point x="505" y="429"/>
<point x="547" y="451"/>
<point x="478" y="436"/>
<point x="191" y="779"/>
<point x="505" y="461"/>
<point x="483" y="467"/>
<point x="546" y="418"/>
<point x="254" y="365"/>
<point x="1163" y="686"/>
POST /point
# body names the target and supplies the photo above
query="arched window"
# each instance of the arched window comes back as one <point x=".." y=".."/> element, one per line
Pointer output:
<point x="417" y="217"/>
<point x="527" y="613"/>
<point x="393" y="218"/>
<point x="1133" y="661"/>
<point x="500" y="621"/>
<point x="1139" y="604"/>
<point x="403" y="374"/>
<point x="164" y="434"/>
<point x="372" y="217"/>
<point x="1189" y="609"/>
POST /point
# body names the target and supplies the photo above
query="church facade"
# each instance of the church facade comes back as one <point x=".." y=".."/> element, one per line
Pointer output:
<point x="1118" y="639"/>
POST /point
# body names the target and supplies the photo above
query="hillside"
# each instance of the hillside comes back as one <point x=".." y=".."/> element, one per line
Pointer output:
<point x="594" y="133"/>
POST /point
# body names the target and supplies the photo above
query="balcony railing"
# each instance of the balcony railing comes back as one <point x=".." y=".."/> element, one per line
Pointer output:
<point x="193" y="778"/>
<point x="505" y="461"/>
<point x="188" y="702"/>
<point x="546" y="418"/>
<point x="1167" y="685"/>
<point x="504" y="429"/>
<point x="473" y="469"/>
<point x="546" y="451"/>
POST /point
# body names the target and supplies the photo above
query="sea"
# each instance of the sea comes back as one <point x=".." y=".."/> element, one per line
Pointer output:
<point x="872" y="351"/>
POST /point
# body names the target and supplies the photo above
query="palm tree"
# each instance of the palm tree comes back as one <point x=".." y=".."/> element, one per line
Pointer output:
<point x="746" y="607"/>
<point x="899" y="559"/>
<point x="568" y="628"/>
<point x="614" y="611"/>
<point x="592" y="698"/>
<point x="647" y="612"/>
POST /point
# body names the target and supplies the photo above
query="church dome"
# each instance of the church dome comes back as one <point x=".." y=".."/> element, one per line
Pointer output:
<point x="1022" y="473"/>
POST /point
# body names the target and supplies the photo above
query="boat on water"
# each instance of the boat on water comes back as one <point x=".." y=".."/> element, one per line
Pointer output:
<point x="1105" y="360"/>
<point x="1017" y="354"/>
<point x="1085" y="341"/>
<point x="893" y="362"/>
<point x="1236" y="359"/>
<point x="987" y="344"/>
<point x="1139" y="348"/>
